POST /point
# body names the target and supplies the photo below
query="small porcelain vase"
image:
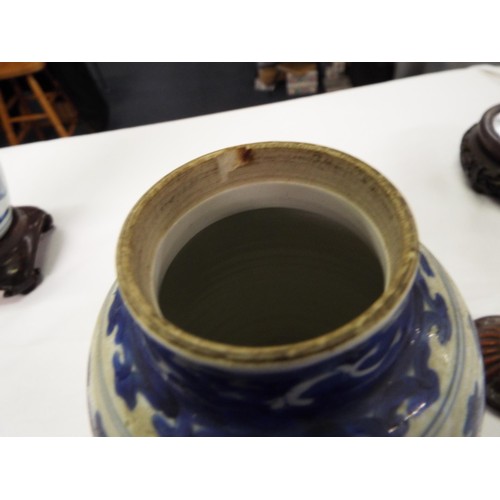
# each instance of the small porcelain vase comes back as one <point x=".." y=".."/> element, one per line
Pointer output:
<point x="408" y="364"/>
<point x="5" y="207"/>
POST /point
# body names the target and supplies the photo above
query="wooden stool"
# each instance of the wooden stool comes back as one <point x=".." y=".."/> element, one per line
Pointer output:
<point x="55" y="105"/>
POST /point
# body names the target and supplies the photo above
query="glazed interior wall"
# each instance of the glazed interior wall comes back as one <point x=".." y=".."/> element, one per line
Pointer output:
<point x="266" y="195"/>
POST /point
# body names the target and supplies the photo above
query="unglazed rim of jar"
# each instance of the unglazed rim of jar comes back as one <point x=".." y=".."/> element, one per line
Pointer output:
<point x="259" y="175"/>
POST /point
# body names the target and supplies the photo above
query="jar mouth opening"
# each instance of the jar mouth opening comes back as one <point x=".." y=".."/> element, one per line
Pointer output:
<point x="260" y="176"/>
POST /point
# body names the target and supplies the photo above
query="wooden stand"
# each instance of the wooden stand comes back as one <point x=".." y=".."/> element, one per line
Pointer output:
<point x="18" y="249"/>
<point x="480" y="155"/>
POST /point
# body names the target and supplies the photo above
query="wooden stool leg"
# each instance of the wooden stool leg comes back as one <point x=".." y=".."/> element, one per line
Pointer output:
<point x="47" y="107"/>
<point x="24" y="109"/>
<point x="7" y="126"/>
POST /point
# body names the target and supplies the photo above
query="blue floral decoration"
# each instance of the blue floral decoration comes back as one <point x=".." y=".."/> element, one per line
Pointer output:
<point x="360" y="392"/>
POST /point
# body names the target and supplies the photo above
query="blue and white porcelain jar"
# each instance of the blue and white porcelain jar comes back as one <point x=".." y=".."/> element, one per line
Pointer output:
<point x="291" y="339"/>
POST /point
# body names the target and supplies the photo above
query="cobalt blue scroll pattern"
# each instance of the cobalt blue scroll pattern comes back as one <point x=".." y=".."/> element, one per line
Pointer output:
<point x="380" y="386"/>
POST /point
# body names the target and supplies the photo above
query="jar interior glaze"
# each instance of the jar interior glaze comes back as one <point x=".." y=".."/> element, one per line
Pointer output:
<point x="305" y="179"/>
<point x="270" y="276"/>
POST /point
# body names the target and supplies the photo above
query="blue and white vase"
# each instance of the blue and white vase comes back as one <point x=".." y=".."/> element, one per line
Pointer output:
<point x="408" y="364"/>
<point x="5" y="207"/>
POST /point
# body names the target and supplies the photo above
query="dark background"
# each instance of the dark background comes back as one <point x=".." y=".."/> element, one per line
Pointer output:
<point x="111" y="95"/>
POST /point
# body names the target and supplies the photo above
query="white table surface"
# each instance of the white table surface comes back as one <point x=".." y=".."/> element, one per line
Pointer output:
<point x="410" y="130"/>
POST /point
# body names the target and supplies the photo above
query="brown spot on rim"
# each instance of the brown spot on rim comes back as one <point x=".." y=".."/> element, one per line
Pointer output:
<point x="245" y="155"/>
